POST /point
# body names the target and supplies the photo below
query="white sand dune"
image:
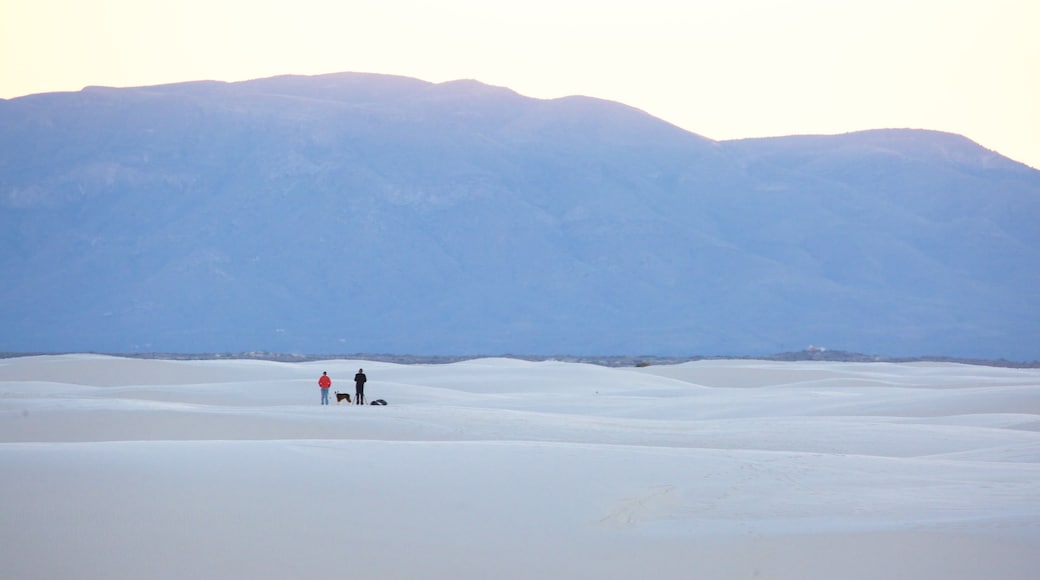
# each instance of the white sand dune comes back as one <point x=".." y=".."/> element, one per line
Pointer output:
<point x="496" y="468"/>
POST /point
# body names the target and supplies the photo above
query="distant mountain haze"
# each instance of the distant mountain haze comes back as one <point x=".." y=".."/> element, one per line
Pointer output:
<point x="352" y="213"/>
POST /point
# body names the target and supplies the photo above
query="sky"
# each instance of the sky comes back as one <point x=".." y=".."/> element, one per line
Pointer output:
<point x="724" y="69"/>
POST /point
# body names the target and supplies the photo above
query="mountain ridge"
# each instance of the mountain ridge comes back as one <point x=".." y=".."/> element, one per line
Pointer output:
<point x="387" y="214"/>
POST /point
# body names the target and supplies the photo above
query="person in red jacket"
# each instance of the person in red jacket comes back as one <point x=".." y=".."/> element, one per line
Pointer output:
<point x="324" y="382"/>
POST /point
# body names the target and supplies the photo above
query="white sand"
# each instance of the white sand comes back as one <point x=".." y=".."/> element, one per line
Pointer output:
<point x="119" y="468"/>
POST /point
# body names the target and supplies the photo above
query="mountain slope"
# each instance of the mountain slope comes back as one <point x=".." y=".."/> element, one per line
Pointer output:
<point x="366" y="213"/>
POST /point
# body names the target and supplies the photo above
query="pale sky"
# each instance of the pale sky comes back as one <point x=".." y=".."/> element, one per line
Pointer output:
<point x="724" y="69"/>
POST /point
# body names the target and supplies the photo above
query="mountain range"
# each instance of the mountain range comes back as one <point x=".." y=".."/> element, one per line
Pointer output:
<point x="361" y="213"/>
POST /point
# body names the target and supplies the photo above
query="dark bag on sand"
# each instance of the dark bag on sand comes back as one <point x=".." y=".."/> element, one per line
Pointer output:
<point x="378" y="402"/>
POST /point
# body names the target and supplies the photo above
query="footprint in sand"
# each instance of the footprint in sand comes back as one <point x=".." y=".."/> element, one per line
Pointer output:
<point x="653" y="504"/>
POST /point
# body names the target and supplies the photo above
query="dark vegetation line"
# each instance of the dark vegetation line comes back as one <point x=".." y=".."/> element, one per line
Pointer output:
<point x="606" y="360"/>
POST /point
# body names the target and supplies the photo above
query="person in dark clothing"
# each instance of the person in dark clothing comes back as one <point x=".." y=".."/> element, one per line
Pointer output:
<point x="359" y="387"/>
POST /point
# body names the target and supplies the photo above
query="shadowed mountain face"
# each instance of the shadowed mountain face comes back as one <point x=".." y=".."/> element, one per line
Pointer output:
<point x="365" y="213"/>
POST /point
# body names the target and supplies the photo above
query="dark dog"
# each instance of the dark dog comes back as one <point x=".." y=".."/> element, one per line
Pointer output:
<point x="340" y="397"/>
